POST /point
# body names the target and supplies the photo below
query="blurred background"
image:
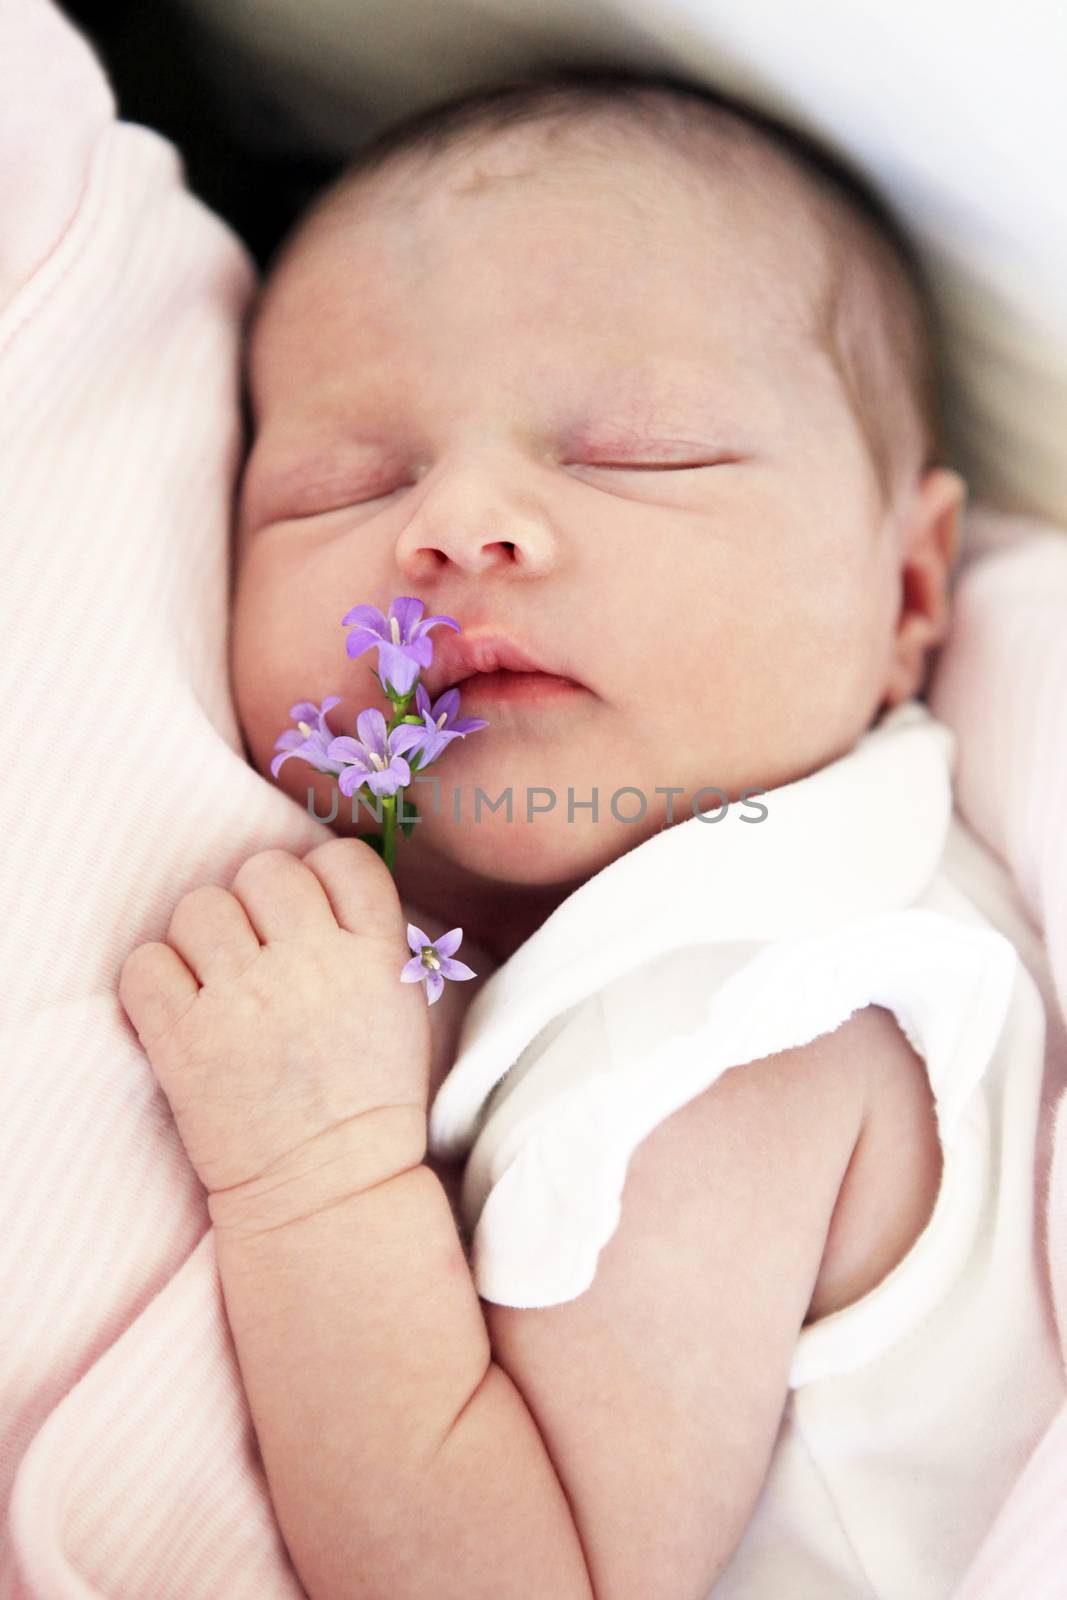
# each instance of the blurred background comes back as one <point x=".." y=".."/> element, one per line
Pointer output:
<point x="952" y="110"/>
<point x="265" y="98"/>
<point x="245" y="154"/>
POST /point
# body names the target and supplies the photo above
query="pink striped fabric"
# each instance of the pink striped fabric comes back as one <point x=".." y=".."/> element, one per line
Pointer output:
<point x="127" y="1455"/>
<point x="1001" y="685"/>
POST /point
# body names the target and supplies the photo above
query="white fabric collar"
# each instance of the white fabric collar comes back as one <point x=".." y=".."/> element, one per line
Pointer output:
<point x="863" y="834"/>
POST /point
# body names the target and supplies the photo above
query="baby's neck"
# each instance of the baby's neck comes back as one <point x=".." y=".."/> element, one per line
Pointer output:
<point x="499" y="917"/>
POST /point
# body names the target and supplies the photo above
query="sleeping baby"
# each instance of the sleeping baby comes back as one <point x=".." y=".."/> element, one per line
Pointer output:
<point x="533" y="1296"/>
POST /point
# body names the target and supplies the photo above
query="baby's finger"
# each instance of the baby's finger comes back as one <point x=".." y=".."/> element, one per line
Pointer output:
<point x="156" y="989"/>
<point x="360" y="886"/>
<point x="282" y="897"/>
<point x="211" y="932"/>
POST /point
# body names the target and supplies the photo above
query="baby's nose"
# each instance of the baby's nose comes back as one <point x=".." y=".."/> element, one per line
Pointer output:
<point x="480" y="516"/>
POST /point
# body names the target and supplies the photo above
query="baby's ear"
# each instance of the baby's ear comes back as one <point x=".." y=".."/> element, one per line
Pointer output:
<point x="928" y="539"/>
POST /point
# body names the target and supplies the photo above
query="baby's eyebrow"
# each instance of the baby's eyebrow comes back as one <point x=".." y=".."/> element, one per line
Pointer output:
<point x="670" y="399"/>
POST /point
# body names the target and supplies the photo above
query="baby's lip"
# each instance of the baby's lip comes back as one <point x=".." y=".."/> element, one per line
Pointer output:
<point x="458" y="657"/>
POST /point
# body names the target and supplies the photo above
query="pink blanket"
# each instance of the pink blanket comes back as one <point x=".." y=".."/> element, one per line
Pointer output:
<point x="128" y="1458"/>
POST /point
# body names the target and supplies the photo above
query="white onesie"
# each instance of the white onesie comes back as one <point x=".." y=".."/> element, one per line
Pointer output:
<point x="709" y="946"/>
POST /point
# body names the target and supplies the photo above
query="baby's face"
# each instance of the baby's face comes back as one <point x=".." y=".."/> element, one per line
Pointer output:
<point x="576" y="405"/>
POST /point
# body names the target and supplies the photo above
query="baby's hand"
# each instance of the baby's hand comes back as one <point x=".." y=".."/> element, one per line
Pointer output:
<point x="276" y="1023"/>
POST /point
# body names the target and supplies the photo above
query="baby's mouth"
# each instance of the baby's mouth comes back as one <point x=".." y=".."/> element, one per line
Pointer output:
<point x="531" y="688"/>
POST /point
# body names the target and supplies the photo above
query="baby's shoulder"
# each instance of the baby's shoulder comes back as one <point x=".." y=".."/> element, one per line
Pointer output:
<point x="885" y="1173"/>
<point x="718" y="1238"/>
<point x="889" y="1190"/>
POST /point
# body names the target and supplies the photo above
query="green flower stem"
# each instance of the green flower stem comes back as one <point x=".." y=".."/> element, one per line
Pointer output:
<point x="389" y="832"/>
<point x="389" y="801"/>
<point x="400" y="715"/>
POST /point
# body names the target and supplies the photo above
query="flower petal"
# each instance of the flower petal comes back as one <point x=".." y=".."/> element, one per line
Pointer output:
<point x="413" y="971"/>
<point x="345" y="748"/>
<point x="350" y="780"/>
<point x="446" y="705"/>
<point x="456" y="969"/>
<point x="386" y="782"/>
<point x="367" y="617"/>
<point x="306" y="750"/>
<point x="407" y="610"/>
<point x="429" y="750"/>
<point x="432" y="622"/>
<point x="398" y="667"/>
<point x="417" y="939"/>
<point x="404" y="737"/>
<point x="358" y="642"/>
<point x="449" y="943"/>
<point x="434" y="984"/>
<point x="370" y="725"/>
<point x="322" y="761"/>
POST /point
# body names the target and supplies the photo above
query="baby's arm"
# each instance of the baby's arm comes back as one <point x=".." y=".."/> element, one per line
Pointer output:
<point x="405" y="1455"/>
<point x="659" y="1392"/>
<point x="402" y="1460"/>
<point x="611" y="1448"/>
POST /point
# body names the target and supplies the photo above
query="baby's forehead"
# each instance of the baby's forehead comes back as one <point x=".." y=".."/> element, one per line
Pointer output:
<point x="788" y="259"/>
<point x="750" y="206"/>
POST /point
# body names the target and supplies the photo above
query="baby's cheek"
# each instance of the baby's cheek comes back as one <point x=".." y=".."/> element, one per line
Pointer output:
<point x="275" y="660"/>
<point x="823" y="656"/>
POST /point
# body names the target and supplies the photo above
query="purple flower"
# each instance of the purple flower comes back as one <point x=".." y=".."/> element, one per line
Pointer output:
<point x="375" y="758"/>
<point x="404" y="647"/>
<point x="432" y="963"/>
<point x="440" y="725"/>
<point x="309" y="739"/>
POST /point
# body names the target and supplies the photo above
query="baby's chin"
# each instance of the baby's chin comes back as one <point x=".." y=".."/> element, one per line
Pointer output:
<point x="544" y="851"/>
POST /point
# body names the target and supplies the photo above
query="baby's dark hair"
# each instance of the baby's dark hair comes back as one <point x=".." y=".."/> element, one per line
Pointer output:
<point x="875" y="316"/>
